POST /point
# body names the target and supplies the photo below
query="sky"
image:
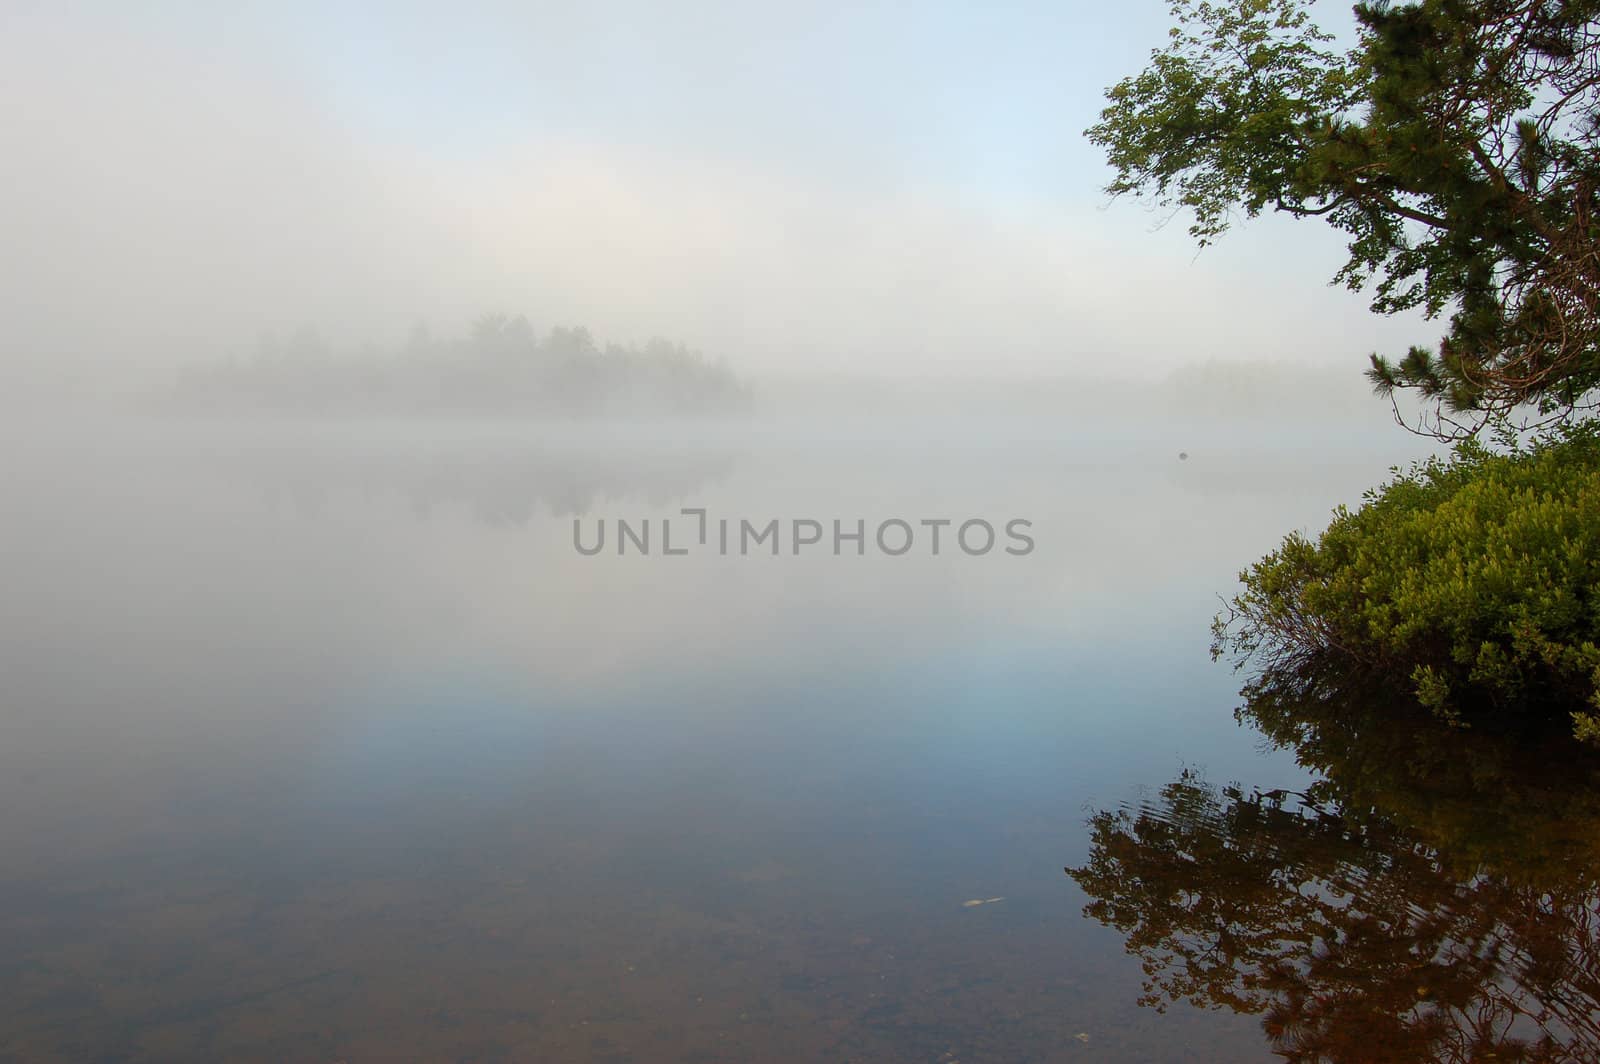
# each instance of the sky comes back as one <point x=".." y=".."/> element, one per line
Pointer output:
<point x="825" y="186"/>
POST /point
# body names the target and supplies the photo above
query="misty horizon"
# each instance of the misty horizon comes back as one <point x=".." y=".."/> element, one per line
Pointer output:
<point x="174" y="188"/>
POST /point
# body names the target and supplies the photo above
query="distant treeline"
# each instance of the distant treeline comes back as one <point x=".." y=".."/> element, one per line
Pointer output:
<point x="502" y="367"/>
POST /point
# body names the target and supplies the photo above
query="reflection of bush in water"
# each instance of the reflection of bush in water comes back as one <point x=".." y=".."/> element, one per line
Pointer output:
<point x="1434" y="897"/>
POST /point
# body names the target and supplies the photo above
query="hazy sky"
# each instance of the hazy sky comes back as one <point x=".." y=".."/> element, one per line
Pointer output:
<point x="820" y="185"/>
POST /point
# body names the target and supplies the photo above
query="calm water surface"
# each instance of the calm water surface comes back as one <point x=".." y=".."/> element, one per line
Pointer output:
<point x="329" y="746"/>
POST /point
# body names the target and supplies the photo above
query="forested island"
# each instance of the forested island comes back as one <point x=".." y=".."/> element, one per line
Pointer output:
<point x="501" y="368"/>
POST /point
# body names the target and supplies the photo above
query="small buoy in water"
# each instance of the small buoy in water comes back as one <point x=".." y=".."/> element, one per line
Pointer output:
<point x="1183" y="456"/>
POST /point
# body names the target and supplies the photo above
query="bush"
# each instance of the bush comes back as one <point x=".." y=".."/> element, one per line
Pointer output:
<point x="1473" y="576"/>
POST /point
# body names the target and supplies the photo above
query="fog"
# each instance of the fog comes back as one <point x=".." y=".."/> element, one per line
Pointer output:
<point x="331" y="337"/>
<point x="843" y="192"/>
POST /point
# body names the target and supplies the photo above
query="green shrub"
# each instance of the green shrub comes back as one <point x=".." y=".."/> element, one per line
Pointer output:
<point x="1474" y="576"/>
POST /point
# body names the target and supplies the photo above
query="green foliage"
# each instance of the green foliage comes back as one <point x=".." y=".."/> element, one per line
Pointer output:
<point x="1457" y="145"/>
<point x="1478" y="577"/>
<point x="1213" y="124"/>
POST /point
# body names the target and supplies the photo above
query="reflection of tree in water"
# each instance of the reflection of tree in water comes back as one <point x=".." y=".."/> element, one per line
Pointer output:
<point x="1436" y="896"/>
<point x="513" y="492"/>
<point x="499" y="489"/>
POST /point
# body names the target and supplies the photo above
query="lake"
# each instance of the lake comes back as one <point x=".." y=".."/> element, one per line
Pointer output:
<point x="326" y="744"/>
